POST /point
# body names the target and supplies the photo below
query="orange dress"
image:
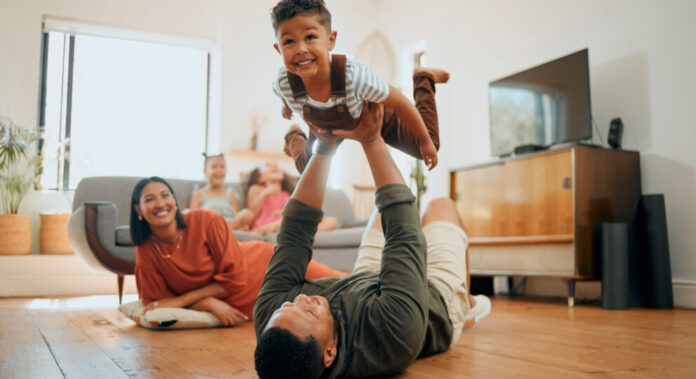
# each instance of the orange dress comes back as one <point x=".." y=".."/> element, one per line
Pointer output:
<point x="209" y="252"/>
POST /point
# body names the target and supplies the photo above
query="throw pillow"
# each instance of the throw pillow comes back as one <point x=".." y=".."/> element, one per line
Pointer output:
<point x="168" y="318"/>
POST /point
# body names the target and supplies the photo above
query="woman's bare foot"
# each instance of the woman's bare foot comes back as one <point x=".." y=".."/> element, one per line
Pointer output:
<point x="439" y="75"/>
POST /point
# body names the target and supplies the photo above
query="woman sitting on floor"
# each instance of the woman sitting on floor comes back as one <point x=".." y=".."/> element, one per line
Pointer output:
<point x="193" y="260"/>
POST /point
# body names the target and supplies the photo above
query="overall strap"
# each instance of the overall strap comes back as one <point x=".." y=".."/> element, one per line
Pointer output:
<point x="297" y="87"/>
<point x="338" y="75"/>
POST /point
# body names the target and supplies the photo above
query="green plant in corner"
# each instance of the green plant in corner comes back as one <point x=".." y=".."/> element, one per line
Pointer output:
<point x="20" y="163"/>
<point x="418" y="180"/>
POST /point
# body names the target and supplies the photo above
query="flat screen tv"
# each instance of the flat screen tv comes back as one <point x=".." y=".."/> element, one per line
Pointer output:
<point x="542" y="106"/>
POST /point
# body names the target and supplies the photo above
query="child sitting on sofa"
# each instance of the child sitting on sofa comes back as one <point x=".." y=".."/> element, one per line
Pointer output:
<point x="219" y="199"/>
<point x="268" y="189"/>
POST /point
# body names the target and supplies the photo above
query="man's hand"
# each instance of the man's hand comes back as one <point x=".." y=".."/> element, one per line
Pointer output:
<point x="328" y="138"/>
<point x="369" y="127"/>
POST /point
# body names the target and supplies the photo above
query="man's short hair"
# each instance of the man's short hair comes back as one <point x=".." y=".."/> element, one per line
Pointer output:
<point x="279" y="354"/>
<point x="287" y="9"/>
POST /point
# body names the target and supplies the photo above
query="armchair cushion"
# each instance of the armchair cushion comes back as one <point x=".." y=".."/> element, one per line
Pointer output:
<point x="123" y="237"/>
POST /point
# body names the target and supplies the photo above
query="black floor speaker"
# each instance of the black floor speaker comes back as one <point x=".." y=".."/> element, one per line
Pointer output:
<point x="613" y="245"/>
<point x="651" y="274"/>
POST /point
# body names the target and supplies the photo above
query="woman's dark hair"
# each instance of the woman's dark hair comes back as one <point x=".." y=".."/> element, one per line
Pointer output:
<point x="288" y="184"/>
<point x="207" y="158"/>
<point x="279" y="354"/>
<point x="287" y="9"/>
<point x="139" y="229"/>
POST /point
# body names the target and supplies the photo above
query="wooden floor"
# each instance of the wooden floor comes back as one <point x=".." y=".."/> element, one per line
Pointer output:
<point x="89" y="338"/>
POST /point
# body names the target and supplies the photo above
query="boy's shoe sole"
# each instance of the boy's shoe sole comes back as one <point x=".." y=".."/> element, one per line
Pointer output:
<point x="478" y="312"/>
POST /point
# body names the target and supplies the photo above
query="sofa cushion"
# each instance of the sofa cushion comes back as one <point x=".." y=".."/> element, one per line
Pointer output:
<point x="123" y="237"/>
<point x="347" y="237"/>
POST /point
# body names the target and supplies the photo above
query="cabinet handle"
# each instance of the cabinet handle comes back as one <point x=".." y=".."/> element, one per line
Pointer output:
<point x="567" y="183"/>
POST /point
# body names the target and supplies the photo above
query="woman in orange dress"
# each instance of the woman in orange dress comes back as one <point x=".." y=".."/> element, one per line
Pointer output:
<point x="193" y="260"/>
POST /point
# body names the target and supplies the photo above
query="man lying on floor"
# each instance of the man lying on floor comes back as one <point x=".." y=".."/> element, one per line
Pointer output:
<point x="405" y="299"/>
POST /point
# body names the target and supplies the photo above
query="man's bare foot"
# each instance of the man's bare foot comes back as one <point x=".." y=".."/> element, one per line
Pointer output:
<point x="439" y="75"/>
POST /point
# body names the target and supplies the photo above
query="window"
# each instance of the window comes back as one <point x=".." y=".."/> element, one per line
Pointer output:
<point x="121" y="103"/>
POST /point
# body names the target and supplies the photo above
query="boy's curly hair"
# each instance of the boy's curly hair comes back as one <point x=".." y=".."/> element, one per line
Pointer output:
<point x="287" y="9"/>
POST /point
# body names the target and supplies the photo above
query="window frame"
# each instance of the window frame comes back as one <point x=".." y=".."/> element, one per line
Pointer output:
<point x="72" y="28"/>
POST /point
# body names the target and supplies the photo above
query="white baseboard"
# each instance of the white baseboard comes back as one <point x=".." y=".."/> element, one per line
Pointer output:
<point x="684" y="293"/>
<point x="55" y="275"/>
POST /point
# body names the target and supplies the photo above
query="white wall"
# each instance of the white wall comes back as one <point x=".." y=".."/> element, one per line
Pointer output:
<point x="20" y="37"/>
<point x="642" y="59"/>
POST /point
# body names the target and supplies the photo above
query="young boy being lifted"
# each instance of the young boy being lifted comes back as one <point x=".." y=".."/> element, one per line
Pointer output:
<point x="329" y="90"/>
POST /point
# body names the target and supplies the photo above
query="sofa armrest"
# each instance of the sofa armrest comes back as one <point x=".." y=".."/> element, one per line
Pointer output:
<point x="92" y="234"/>
<point x="339" y="238"/>
<point x="355" y="223"/>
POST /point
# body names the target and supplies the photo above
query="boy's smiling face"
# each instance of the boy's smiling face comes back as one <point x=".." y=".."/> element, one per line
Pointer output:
<point x="305" y="44"/>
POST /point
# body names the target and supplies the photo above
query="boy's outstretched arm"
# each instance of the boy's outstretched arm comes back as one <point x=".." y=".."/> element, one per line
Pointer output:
<point x="410" y="116"/>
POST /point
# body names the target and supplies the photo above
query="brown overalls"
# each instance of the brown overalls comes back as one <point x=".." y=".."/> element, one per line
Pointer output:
<point x="394" y="131"/>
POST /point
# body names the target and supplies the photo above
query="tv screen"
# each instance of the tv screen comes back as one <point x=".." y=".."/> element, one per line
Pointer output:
<point x="544" y="105"/>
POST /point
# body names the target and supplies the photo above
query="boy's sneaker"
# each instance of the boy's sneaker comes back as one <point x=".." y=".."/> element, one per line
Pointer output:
<point x="478" y="312"/>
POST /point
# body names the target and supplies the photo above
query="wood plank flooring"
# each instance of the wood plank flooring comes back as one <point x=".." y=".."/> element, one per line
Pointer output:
<point x="88" y="338"/>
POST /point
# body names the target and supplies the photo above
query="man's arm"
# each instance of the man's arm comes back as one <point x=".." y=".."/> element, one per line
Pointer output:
<point x="312" y="185"/>
<point x="403" y="280"/>
<point x="293" y="251"/>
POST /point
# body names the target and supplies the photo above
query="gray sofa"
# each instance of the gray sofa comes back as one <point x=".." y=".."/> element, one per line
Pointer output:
<point x="100" y="236"/>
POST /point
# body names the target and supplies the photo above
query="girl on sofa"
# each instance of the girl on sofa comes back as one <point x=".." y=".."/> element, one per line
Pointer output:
<point x="219" y="199"/>
<point x="193" y="260"/>
<point x="268" y="189"/>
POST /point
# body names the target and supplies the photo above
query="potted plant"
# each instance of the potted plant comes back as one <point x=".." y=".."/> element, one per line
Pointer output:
<point x="19" y="170"/>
